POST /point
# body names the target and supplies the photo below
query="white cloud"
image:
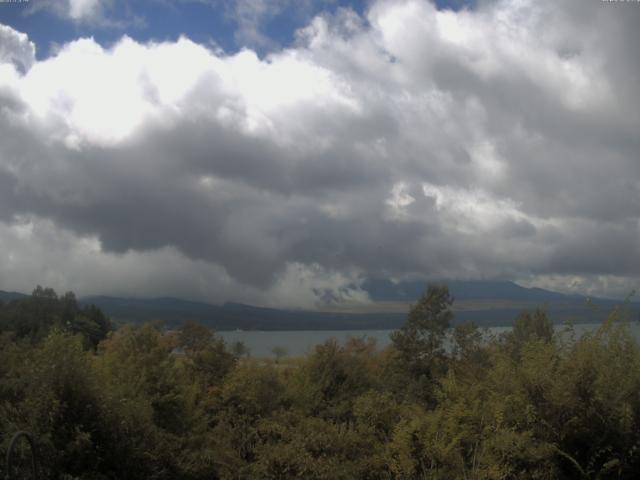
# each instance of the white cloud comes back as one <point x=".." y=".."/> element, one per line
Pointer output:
<point x="112" y="93"/>
<point x="95" y="13"/>
<point x="84" y="9"/>
<point x="252" y="16"/>
<point x="15" y="49"/>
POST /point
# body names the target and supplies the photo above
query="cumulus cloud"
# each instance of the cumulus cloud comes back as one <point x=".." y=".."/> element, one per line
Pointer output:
<point x="15" y="49"/>
<point x="250" y="16"/>
<point x="79" y="11"/>
<point x="253" y="16"/>
<point x="84" y="9"/>
<point x="498" y="142"/>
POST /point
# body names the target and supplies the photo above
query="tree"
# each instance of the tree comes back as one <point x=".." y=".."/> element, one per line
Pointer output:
<point x="34" y="317"/>
<point x="194" y="337"/>
<point x="529" y="327"/>
<point x="206" y="353"/>
<point x="329" y="380"/>
<point x="420" y="340"/>
<point x="240" y="349"/>
<point x="467" y="339"/>
<point x="279" y="353"/>
<point x="46" y="293"/>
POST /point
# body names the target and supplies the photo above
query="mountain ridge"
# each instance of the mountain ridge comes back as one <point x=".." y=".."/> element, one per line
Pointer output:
<point x="488" y="303"/>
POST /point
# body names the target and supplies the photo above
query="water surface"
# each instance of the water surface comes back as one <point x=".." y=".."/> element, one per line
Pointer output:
<point x="300" y="342"/>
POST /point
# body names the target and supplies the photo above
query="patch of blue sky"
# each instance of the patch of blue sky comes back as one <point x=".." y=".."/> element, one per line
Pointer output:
<point x="216" y="23"/>
<point x="455" y="5"/>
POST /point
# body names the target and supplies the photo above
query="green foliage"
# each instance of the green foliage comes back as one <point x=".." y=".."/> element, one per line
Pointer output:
<point x="418" y="357"/>
<point x="240" y="349"/>
<point x="32" y="318"/>
<point x="328" y="381"/>
<point x="420" y="340"/>
<point x="279" y="353"/>
<point x="206" y="355"/>
<point x="529" y="327"/>
<point x="438" y="404"/>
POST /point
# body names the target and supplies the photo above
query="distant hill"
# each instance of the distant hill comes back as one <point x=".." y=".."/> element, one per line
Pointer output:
<point x="383" y="289"/>
<point x="8" y="296"/>
<point x="486" y="303"/>
<point x="498" y="303"/>
<point x="232" y="316"/>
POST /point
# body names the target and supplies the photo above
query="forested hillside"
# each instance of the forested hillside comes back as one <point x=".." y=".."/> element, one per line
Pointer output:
<point x="145" y="403"/>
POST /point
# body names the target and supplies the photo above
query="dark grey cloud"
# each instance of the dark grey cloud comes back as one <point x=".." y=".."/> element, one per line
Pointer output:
<point x="492" y="143"/>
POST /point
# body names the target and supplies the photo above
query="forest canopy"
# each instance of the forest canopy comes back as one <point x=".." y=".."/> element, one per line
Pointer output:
<point x="438" y="403"/>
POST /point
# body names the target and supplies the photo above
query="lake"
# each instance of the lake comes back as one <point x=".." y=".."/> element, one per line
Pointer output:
<point x="300" y="342"/>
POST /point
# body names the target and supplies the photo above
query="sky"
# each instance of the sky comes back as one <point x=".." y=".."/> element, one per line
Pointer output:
<point x="282" y="152"/>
